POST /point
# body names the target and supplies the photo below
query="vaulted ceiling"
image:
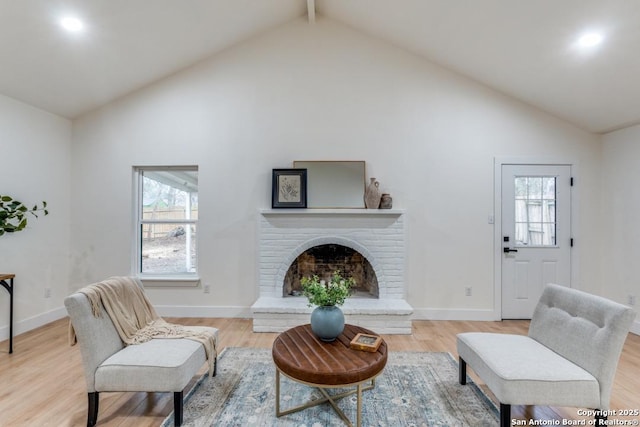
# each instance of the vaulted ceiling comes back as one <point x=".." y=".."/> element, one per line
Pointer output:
<point x="524" y="49"/>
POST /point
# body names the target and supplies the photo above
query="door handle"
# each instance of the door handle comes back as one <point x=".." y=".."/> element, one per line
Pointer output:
<point x="507" y="250"/>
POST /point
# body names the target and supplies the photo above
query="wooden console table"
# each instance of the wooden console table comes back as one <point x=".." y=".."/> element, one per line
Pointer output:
<point x="9" y="288"/>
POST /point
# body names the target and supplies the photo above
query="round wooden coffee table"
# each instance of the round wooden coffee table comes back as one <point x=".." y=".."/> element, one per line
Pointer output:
<point x="303" y="357"/>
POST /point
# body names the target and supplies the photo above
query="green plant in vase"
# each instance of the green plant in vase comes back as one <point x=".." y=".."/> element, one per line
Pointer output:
<point x="327" y="319"/>
<point x="322" y="293"/>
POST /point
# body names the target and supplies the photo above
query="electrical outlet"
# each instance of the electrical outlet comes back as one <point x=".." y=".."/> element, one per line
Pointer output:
<point x="467" y="291"/>
<point x="631" y="300"/>
<point x="47" y="292"/>
<point x="207" y="288"/>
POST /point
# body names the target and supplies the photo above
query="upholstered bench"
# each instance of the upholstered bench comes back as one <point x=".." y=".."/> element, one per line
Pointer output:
<point x="569" y="357"/>
<point x="158" y="365"/>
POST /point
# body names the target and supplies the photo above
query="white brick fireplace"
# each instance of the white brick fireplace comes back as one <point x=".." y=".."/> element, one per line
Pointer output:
<point x="379" y="235"/>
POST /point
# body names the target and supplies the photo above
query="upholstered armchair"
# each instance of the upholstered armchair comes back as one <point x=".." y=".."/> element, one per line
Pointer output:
<point x="158" y="365"/>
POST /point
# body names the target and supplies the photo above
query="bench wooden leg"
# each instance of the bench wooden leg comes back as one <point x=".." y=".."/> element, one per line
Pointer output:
<point x="177" y="408"/>
<point x="462" y="371"/>
<point x="505" y="410"/>
<point x="92" y="412"/>
<point x="505" y="415"/>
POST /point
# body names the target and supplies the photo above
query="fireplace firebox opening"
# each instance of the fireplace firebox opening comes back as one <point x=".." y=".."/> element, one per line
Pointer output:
<point x="323" y="260"/>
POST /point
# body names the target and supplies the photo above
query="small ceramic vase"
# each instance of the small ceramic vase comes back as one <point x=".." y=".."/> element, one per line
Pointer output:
<point x="372" y="195"/>
<point x="327" y="322"/>
<point x="386" y="202"/>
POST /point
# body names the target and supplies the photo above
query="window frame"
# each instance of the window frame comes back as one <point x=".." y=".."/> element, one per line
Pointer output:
<point x="159" y="279"/>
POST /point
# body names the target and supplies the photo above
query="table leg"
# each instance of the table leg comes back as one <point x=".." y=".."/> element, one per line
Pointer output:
<point x="331" y="399"/>
<point x="359" y="406"/>
<point x="9" y="288"/>
<point x="277" y="392"/>
<point x="11" y="319"/>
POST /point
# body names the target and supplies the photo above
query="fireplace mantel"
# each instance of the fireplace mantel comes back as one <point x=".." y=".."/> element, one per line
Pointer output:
<point x="329" y="212"/>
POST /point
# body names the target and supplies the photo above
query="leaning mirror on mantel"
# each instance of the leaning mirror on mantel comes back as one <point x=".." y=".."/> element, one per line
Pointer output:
<point x="334" y="184"/>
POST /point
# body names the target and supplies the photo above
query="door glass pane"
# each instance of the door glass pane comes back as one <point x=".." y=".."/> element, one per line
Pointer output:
<point x="535" y="211"/>
<point x="551" y="212"/>
<point x="521" y="188"/>
<point x="535" y="187"/>
<point x="549" y="188"/>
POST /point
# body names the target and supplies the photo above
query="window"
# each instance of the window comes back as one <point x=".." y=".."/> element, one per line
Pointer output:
<point x="535" y="211"/>
<point x="167" y="222"/>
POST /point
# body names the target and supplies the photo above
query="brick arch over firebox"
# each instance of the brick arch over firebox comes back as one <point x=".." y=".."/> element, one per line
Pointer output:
<point x="326" y="240"/>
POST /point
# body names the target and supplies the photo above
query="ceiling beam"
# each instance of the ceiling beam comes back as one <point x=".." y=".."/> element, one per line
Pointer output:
<point x="311" y="11"/>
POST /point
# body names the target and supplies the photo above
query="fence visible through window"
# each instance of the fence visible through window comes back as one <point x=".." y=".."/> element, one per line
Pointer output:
<point x="168" y="216"/>
<point x="535" y="211"/>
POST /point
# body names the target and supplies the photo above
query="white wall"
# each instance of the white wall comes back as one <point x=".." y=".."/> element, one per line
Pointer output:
<point x="320" y="92"/>
<point x="621" y="207"/>
<point x="35" y="154"/>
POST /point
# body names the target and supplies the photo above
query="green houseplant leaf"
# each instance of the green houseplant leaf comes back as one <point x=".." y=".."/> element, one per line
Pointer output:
<point x="13" y="214"/>
<point x="333" y="292"/>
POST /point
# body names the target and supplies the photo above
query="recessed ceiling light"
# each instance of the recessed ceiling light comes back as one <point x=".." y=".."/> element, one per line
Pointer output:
<point x="590" y="39"/>
<point x="72" y="24"/>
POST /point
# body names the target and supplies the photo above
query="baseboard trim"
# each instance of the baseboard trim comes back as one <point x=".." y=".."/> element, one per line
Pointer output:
<point x="453" y="314"/>
<point x="203" y="311"/>
<point x="26" y="325"/>
<point x="34" y="322"/>
<point x="475" y="315"/>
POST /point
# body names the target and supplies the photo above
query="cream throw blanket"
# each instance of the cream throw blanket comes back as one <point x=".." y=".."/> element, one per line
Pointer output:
<point x="135" y="318"/>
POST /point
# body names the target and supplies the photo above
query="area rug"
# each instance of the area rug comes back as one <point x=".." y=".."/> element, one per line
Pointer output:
<point x="415" y="389"/>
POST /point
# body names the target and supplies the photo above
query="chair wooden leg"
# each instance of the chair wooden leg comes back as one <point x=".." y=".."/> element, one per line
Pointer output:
<point x="92" y="413"/>
<point x="505" y="415"/>
<point x="462" y="371"/>
<point x="215" y="366"/>
<point x="177" y="408"/>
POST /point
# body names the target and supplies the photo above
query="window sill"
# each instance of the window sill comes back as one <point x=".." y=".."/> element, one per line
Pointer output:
<point x="169" y="281"/>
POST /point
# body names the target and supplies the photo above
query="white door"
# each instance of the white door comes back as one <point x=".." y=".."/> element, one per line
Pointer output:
<point x="536" y="234"/>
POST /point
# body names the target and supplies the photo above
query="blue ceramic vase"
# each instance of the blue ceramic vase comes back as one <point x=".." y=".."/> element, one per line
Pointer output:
<point x="327" y="322"/>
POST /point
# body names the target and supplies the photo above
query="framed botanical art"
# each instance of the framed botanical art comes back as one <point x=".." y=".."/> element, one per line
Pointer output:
<point x="289" y="188"/>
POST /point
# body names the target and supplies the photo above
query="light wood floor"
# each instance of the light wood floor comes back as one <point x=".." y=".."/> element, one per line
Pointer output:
<point x="42" y="382"/>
